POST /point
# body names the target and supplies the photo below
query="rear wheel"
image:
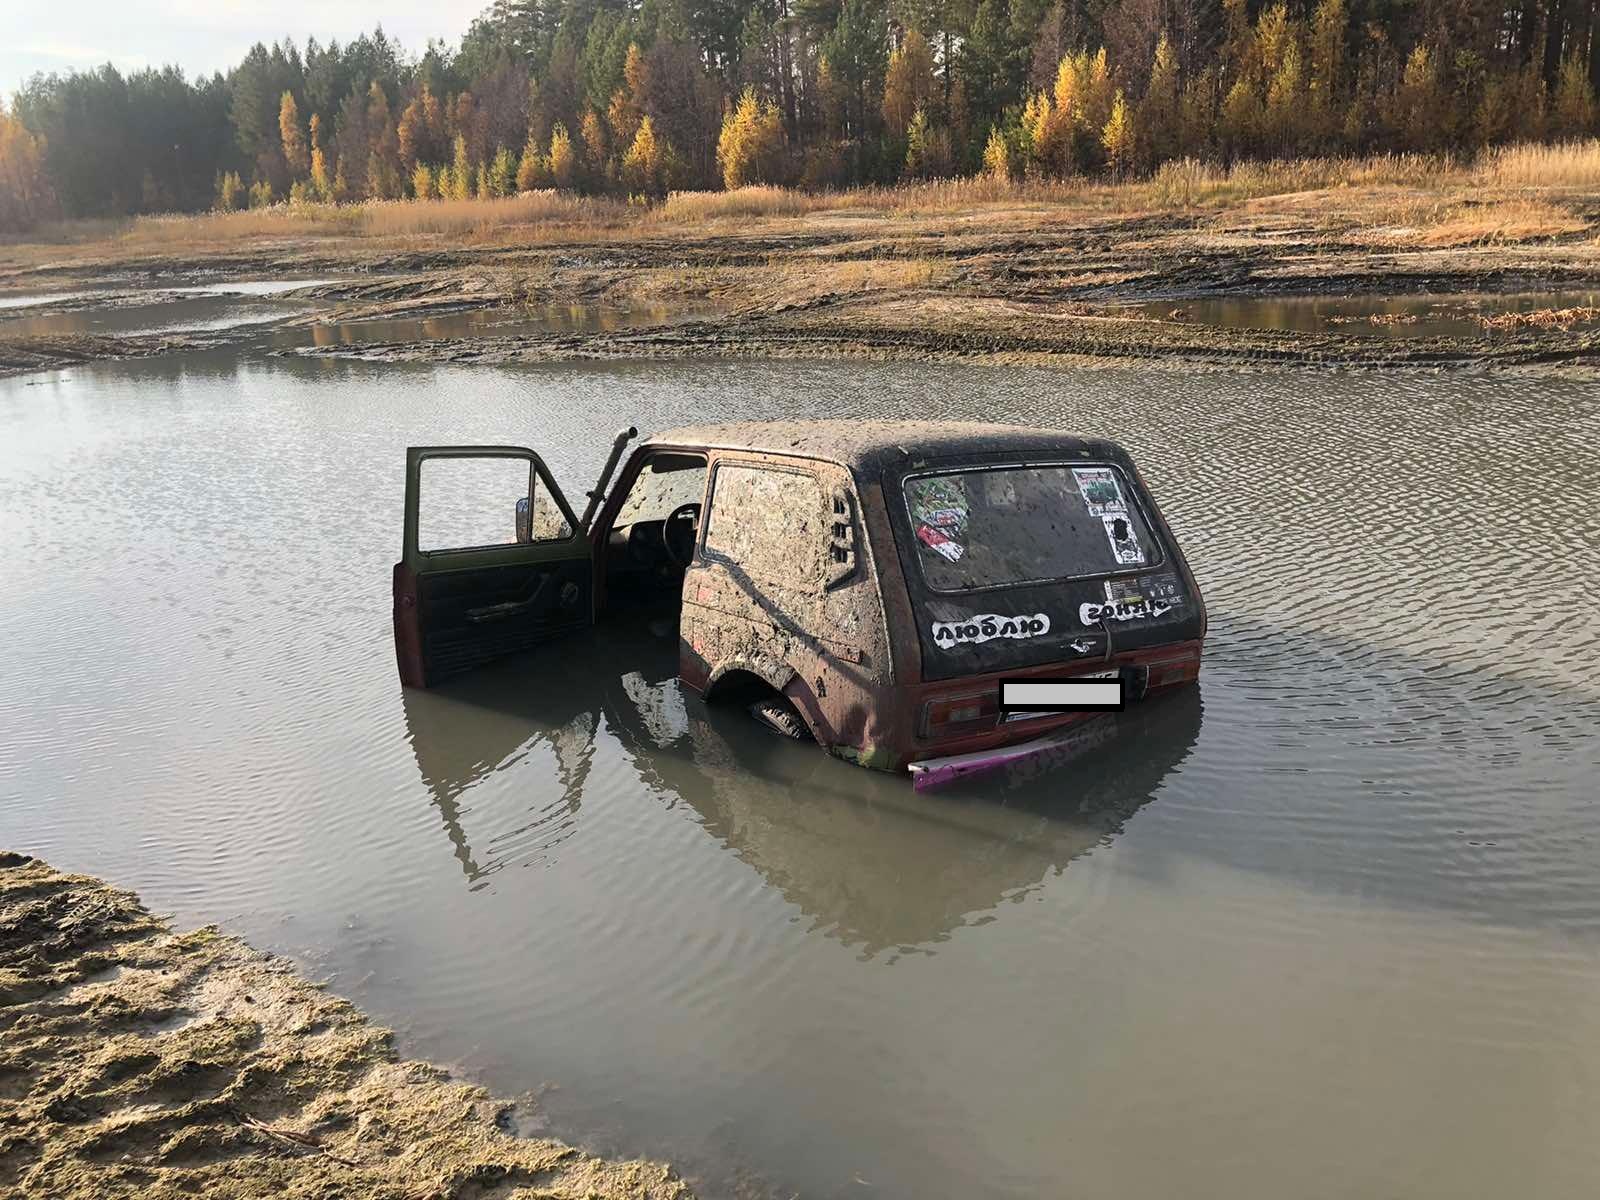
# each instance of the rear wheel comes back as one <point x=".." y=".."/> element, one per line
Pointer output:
<point x="780" y="717"/>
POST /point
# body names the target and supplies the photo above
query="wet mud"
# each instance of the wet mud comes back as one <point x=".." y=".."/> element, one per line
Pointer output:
<point x="1035" y="288"/>
<point x="135" y="1061"/>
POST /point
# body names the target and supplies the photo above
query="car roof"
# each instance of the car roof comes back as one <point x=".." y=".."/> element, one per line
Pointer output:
<point x="876" y="443"/>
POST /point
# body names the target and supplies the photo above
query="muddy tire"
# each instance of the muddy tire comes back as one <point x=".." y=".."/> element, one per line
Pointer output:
<point x="778" y="716"/>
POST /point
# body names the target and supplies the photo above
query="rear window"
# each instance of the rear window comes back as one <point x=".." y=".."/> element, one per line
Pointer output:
<point x="1007" y="525"/>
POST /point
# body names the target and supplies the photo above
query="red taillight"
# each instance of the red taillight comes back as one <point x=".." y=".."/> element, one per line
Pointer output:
<point x="961" y="714"/>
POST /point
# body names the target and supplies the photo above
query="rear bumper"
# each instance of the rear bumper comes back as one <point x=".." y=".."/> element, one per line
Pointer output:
<point x="1160" y="667"/>
<point x="1064" y="745"/>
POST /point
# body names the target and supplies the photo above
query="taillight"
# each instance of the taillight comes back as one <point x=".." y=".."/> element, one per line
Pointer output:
<point x="961" y="714"/>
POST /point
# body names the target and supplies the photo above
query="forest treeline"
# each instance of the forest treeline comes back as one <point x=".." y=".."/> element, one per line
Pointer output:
<point x="639" y="98"/>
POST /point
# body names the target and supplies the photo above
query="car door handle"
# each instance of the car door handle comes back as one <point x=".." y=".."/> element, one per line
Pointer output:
<point x="509" y="608"/>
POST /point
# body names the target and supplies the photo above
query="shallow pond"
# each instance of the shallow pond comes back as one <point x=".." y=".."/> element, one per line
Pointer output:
<point x="1406" y="316"/>
<point x="1329" y="926"/>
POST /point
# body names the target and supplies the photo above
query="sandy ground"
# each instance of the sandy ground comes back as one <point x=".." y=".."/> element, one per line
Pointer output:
<point x="1021" y="284"/>
<point x="135" y="1061"/>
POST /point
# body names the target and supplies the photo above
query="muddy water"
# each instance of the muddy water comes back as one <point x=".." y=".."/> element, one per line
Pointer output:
<point x="1402" y="316"/>
<point x="1328" y="927"/>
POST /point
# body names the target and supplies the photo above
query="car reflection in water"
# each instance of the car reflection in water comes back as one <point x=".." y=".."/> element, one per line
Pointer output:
<point x="868" y="860"/>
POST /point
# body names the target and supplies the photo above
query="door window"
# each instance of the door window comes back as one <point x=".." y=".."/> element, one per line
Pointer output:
<point x="769" y="523"/>
<point x="469" y="503"/>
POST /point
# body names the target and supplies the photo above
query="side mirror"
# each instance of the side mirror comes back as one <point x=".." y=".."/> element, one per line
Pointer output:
<point x="525" y="520"/>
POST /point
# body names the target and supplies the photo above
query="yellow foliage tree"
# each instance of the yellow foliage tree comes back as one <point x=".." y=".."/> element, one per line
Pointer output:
<point x="563" y="158"/>
<point x="1572" y="108"/>
<point x="646" y="163"/>
<point x="230" y="191"/>
<point x="422" y="181"/>
<point x="321" y="187"/>
<point x="592" y="133"/>
<point x="293" y="139"/>
<point x="460" y="172"/>
<point x="751" y="143"/>
<point x="1119" y="135"/>
<point x="909" y="84"/>
<point x="533" y="171"/>
<point x="997" y="157"/>
<point x="1158" y="111"/>
<point x="25" y="194"/>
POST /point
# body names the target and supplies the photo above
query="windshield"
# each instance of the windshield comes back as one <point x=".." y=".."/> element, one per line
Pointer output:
<point x="990" y="528"/>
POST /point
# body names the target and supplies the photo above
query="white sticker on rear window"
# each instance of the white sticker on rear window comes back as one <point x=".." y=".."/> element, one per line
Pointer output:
<point x="1100" y="490"/>
<point x="1124" y="541"/>
<point x="986" y="627"/>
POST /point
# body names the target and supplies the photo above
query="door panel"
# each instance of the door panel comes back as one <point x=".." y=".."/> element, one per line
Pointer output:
<point x="459" y="607"/>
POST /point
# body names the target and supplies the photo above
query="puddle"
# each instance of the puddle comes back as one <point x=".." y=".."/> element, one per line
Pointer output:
<point x="1385" y="316"/>
<point x="491" y="322"/>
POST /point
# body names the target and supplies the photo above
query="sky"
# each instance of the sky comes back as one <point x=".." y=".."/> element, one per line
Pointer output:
<point x="200" y="36"/>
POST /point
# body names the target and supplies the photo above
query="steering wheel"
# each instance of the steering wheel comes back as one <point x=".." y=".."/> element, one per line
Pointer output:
<point x="678" y="533"/>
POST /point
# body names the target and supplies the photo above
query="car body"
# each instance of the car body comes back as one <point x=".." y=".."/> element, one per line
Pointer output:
<point x="876" y="580"/>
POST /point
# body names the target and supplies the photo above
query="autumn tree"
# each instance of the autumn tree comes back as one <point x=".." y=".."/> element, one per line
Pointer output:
<point x="321" y="186"/>
<point x="293" y="138"/>
<point x="1158" y="110"/>
<point x="1119" y="136"/>
<point x="563" y="158"/>
<point x="25" y="194"/>
<point x="750" y="147"/>
<point x="645" y="166"/>
<point x="909" y="83"/>
<point x="1572" y="108"/>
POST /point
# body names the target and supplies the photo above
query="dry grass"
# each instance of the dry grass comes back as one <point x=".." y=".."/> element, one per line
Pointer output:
<point x="689" y="208"/>
<point x="1509" y="220"/>
<point x="1566" y="164"/>
<point x="1542" y="318"/>
<point x="1432" y="194"/>
<point x="549" y="207"/>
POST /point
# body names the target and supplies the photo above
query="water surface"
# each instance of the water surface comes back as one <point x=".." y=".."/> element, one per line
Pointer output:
<point x="1327" y="926"/>
<point x="1402" y="316"/>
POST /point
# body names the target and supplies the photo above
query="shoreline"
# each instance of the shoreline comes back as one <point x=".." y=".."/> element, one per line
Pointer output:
<point x="1007" y="282"/>
<point x="137" y="1060"/>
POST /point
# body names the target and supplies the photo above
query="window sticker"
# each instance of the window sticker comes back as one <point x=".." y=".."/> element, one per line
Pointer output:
<point x="986" y="627"/>
<point x="940" y="542"/>
<point x="1124" y="541"/>
<point x="1100" y="489"/>
<point x="1124" y="602"/>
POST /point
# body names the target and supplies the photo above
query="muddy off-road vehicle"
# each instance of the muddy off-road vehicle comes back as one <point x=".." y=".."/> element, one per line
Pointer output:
<point x="880" y="587"/>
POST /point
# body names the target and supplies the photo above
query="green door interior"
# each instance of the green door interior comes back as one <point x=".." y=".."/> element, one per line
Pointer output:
<point x="493" y="561"/>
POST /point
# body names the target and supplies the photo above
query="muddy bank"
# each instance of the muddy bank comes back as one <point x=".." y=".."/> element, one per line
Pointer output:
<point x="138" y="1061"/>
<point x="1036" y="285"/>
<point x="920" y="328"/>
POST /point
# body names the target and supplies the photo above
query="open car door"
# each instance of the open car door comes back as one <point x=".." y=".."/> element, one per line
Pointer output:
<point x="493" y="563"/>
